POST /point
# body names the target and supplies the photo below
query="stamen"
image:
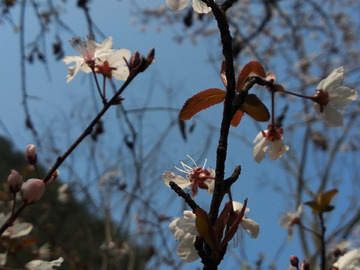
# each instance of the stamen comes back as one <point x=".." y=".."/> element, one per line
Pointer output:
<point x="180" y="169"/>
<point x="186" y="167"/>
<point x="191" y="160"/>
<point x="205" y="163"/>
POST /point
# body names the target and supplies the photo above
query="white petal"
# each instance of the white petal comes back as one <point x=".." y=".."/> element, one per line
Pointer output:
<point x="117" y="57"/>
<point x="277" y="149"/>
<point x="21" y="229"/>
<point x="180" y="227"/>
<point x="333" y="79"/>
<point x="72" y="71"/>
<point x="43" y="265"/>
<point x="121" y="73"/>
<point x="332" y="117"/>
<point x="186" y="249"/>
<point x="211" y="185"/>
<point x="200" y="7"/>
<point x="189" y="214"/>
<point x="85" y="67"/>
<point x="342" y="96"/>
<point x="177" y="4"/>
<point x="68" y="59"/>
<point x="179" y="180"/>
<point x="238" y="207"/>
<point x="3" y="259"/>
<point x="259" y="136"/>
<point x="250" y="226"/>
<point x="285" y="219"/>
<point x="349" y="260"/>
<point x="317" y="109"/>
<point x="105" y="45"/>
<point x="260" y="149"/>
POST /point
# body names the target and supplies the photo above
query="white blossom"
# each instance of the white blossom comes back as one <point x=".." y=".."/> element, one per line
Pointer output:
<point x="43" y="265"/>
<point x="184" y="229"/>
<point x="198" y="5"/>
<point x="349" y="261"/>
<point x="247" y="224"/>
<point x="329" y="98"/>
<point x="289" y="219"/>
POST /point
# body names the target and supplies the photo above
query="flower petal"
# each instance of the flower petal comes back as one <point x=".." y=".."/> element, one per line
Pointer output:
<point x="260" y="149"/>
<point x="186" y="249"/>
<point x="342" y="96"/>
<point x="117" y="57"/>
<point x="332" y="117"/>
<point x="105" y="46"/>
<point x="250" y="226"/>
<point x="68" y="59"/>
<point x="317" y="109"/>
<point x="43" y="265"/>
<point x="332" y="80"/>
<point x="180" y="227"/>
<point x="177" y="4"/>
<point x="121" y="73"/>
<point x="179" y="180"/>
<point x="189" y="214"/>
<point x="238" y="207"/>
<point x="277" y="149"/>
<point x="210" y="182"/>
<point x="200" y="7"/>
<point x="72" y="71"/>
<point x="349" y="260"/>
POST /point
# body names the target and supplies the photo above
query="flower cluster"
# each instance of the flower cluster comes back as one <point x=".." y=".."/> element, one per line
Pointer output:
<point x="99" y="58"/>
<point x="197" y="177"/>
<point x="184" y="229"/>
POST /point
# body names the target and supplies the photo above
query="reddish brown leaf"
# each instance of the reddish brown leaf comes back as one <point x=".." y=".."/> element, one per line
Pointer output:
<point x="201" y="101"/>
<point x="204" y="227"/>
<point x="221" y="222"/>
<point x="255" y="108"/>
<point x="237" y="118"/>
<point x="29" y="241"/>
<point x="251" y="68"/>
<point x="234" y="226"/>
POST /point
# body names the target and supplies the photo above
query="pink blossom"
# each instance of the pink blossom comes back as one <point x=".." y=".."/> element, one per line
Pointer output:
<point x="32" y="190"/>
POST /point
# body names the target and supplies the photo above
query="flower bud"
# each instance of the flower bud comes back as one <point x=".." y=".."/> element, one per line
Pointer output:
<point x="14" y="181"/>
<point x="32" y="190"/>
<point x="294" y="261"/>
<point x="30" y="154"/>
<point x="304" y="265"/>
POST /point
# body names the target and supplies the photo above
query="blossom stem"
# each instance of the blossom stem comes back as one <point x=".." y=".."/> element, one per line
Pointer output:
<point x="37" y="171"/>
<point x="97" y="84"/>
<point x="12" y="218"/>
<point x="14" y="204"/>
<point x="89" y="128"/>
<point x="309" y="230"/>
<point x="297" y="95"/>
<point x="104" y="89"/>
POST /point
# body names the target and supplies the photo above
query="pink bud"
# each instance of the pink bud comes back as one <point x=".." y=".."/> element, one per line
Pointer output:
<point x="32" y="190"/>
<point x="14" y="181"/>
<point x="30" y="154"/>
<point x="304" y="265"/>
<point x="294" y="261"/>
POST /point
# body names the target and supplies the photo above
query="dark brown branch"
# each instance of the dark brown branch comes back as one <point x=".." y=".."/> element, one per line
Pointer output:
<point x="192" y="204"/>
